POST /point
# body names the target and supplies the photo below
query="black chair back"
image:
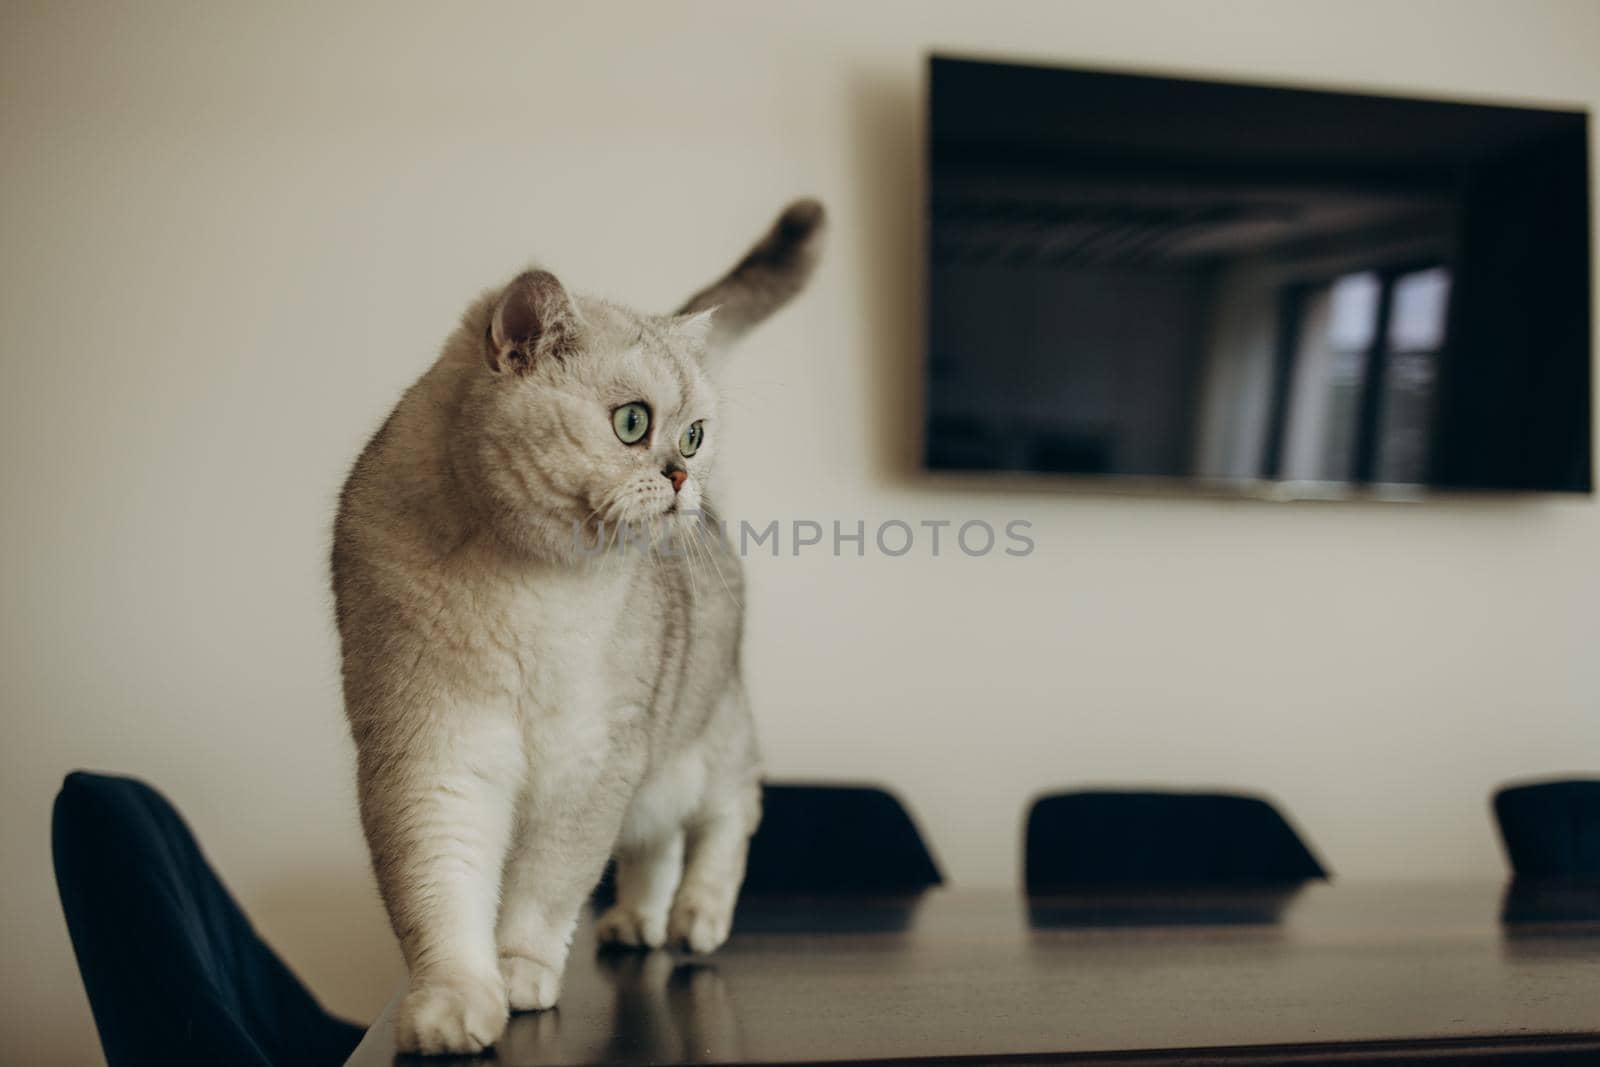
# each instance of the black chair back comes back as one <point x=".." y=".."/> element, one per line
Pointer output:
<point x="828" y="839"/>
<point x="1551" y="829"/>
<point x="174" y="972"/>
<point x="1161" y="838"/>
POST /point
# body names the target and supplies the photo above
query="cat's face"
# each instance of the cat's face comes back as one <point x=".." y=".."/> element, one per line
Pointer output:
<point x="606" y="422"/>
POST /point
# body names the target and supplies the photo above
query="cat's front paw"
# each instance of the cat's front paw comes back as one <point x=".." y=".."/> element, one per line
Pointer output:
<point x="530" y="984"/>
<point x="631" y="928"/>
<point x="700" y="922"/>
<point x="455" y="1015"/>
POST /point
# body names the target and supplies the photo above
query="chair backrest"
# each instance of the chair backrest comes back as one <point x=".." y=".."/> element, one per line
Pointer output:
<point x="830" y="839"/>
<point x="1551" y="829"/>
<point x="174" y="972"/>
<point x="1161" y="838"/>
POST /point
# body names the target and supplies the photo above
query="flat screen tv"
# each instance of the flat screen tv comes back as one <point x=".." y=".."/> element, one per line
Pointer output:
<point x="1269" y="289"/>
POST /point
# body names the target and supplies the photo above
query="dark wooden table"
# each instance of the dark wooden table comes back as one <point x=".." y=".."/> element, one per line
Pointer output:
<point x="1333" y="974"/>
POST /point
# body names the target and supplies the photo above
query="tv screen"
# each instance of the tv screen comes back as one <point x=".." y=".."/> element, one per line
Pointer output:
<point x="1239" y="286"/>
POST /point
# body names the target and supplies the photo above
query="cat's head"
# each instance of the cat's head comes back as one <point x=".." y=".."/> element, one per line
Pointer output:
<point x="591" y="416"/>
<point x="593" y="421"/>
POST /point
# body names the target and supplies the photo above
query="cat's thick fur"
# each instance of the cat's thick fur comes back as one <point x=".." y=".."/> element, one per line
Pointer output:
<point x="523" y="711"/>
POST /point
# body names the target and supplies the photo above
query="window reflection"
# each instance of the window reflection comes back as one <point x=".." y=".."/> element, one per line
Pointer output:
<point x="1338" y="324"/>
<point x="1336" y="427"/>
<point x="1415" y="338"/>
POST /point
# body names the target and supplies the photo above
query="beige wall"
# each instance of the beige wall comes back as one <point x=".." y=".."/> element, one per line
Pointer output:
<point x="230" y="237"/>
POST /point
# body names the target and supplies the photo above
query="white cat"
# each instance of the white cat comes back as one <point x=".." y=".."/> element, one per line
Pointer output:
<point x="524" y="709"/>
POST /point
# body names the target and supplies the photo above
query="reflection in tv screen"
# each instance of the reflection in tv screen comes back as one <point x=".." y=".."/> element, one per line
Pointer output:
<point x="1242" y="286"/>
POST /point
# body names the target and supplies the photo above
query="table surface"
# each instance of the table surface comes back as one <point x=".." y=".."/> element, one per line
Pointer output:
<point x="1330" y="974"/>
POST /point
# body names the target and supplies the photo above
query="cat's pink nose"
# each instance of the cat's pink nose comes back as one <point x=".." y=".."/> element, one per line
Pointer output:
<point x="677" y="477"/>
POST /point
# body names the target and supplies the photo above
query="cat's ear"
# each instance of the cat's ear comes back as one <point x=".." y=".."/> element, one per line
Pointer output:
<point x="534" y="319"/>
<point x="768" y="276"/>
<point x="695" y="327"/>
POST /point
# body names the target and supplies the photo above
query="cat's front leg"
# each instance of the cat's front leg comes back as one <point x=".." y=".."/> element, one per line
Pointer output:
<point x="647" y="876"/>
<point x="718" y="841"/>
<point x="554" y="865"/>
<point x="438" y="816"/>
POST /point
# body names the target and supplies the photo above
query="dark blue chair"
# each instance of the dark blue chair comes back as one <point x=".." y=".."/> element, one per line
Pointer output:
<point x="836" y="840"/>
<point x="174" y="972"/>
<point x="1551" y="829"/>
<point x="1086" y="839"/>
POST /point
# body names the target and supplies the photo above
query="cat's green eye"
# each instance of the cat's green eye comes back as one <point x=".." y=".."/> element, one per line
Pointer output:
<point x="632" y="422"/>
<point x="689" y="441"/>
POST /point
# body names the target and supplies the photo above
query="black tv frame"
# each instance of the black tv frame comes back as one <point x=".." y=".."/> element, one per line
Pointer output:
<point x="1575" y="479"/>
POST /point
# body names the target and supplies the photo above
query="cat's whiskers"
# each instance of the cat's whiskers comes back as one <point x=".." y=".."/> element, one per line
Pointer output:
<point x="581" y="531"/>
<point x="585" y="520"/>
<point x="711" y="557"/>
<point x="688" y="566"/>
<point x="619" y="535"/>
<point x="606" y="533"/>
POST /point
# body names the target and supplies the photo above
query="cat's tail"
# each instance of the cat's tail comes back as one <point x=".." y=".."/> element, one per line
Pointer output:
<point x="768" y="276"/>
